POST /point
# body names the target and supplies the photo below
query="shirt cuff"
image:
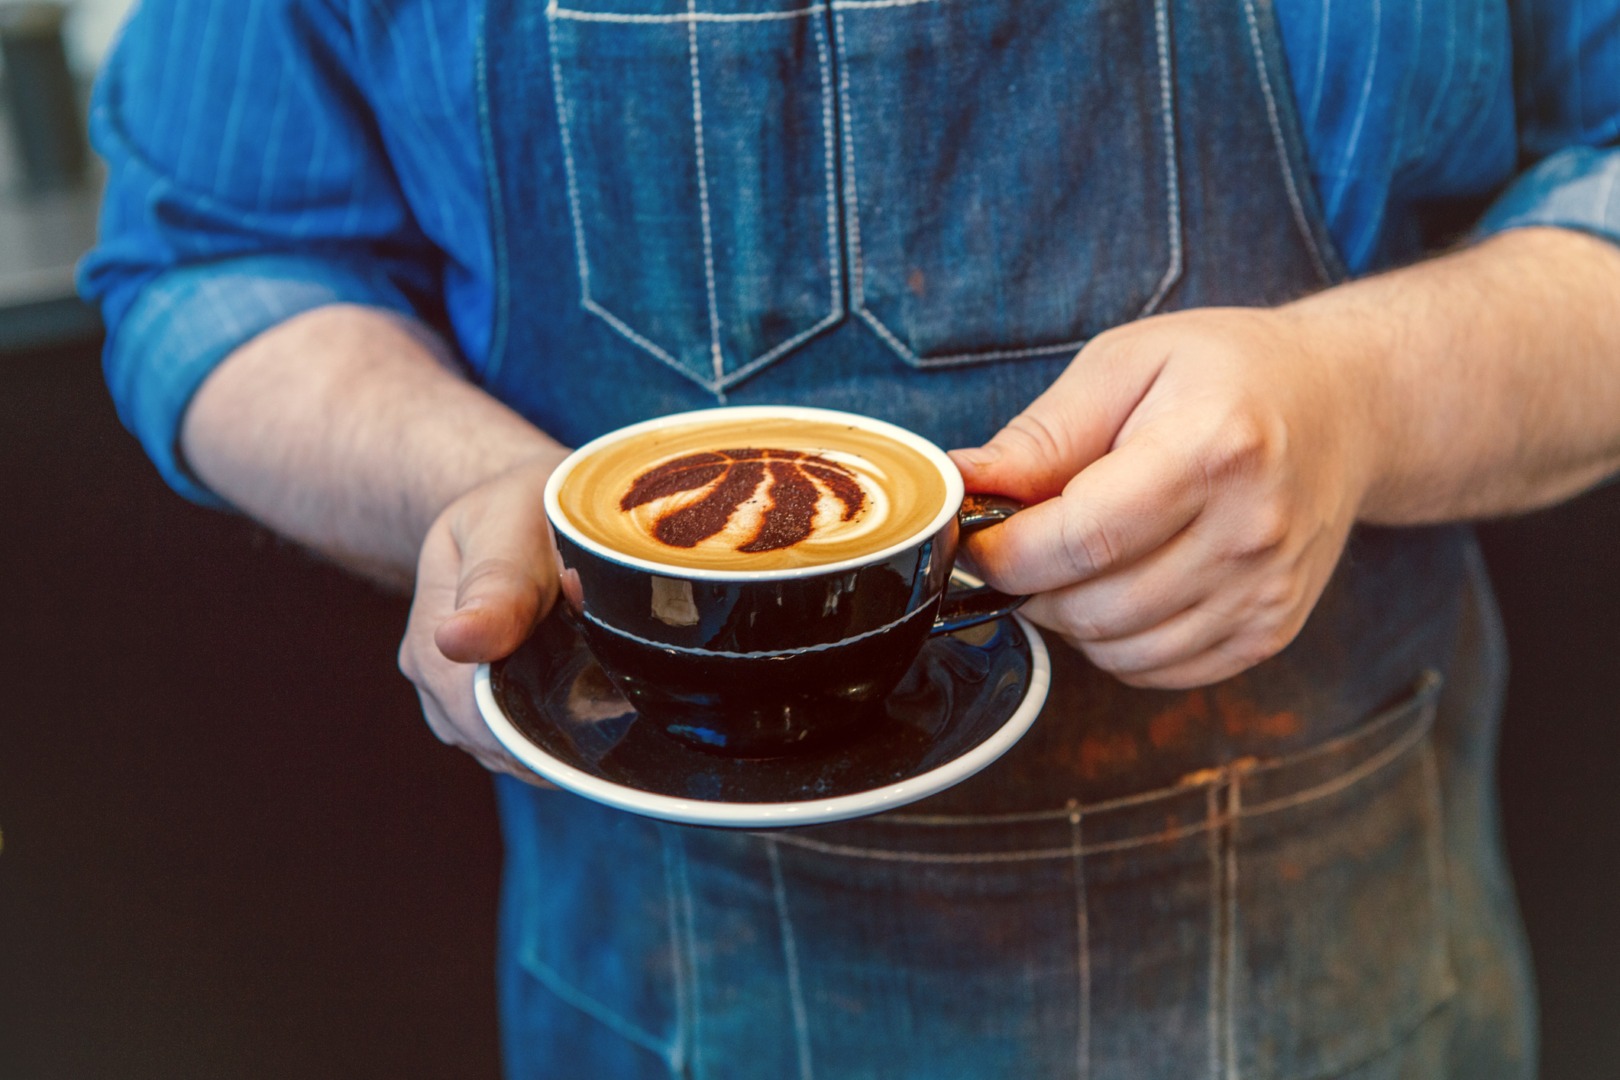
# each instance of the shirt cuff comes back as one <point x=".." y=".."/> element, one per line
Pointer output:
<point x="1577" y="188"/>
<point x="188" y="320"/>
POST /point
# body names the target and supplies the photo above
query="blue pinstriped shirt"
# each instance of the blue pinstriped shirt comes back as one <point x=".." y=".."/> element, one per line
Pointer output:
<point x="271" y="156"/>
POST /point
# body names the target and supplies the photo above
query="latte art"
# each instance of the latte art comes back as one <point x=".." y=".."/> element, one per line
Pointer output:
<point x="800" y="496"/>
<point x="795" y="493"/>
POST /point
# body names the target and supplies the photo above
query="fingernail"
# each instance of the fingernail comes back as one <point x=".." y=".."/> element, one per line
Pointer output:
<point x="980" y="456"/>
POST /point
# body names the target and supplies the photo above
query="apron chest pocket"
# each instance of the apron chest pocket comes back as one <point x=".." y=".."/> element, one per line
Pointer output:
<point x="699" y="154"/>
<point x="1010" y="172"/>
<point x="977" y="181"/>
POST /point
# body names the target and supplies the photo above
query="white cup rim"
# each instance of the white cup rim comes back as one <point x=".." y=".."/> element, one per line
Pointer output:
<point x="947" y="469"/>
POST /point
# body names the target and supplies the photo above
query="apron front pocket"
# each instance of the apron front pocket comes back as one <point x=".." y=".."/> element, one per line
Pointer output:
<point x="699" y="154"/>
<point x="1335" y="911"/>
<point x="1279" y="920"/>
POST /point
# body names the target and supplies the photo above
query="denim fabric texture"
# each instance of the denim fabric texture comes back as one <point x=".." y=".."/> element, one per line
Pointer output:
<point x="1252" y="880"/>
<point x="1197" y="930"/>
<point x="334" y="146"/>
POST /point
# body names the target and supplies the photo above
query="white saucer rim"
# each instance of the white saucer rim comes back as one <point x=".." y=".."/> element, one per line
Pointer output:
<point x="777" y="814"/>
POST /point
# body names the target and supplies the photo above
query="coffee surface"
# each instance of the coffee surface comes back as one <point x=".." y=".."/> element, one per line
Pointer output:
<point x="758" y="494"/>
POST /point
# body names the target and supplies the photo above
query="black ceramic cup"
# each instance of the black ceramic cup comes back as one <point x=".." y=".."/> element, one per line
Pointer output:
<point x="760" y="663"/>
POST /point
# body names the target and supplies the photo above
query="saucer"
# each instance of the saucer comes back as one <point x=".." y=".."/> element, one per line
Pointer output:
<point x="968" y="698"/>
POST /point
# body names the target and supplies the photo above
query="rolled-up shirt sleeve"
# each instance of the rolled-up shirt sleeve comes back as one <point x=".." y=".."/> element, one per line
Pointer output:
<point x="1567" y="86"/>
<point x="247" y="184"/>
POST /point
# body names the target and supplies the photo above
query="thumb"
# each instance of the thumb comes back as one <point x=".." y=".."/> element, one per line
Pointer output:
<point x="1072" y="424"/>
<point x="506" y="584"/>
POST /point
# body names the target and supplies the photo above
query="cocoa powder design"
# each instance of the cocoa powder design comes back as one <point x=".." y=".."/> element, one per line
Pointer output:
<point x="735" y="476"/>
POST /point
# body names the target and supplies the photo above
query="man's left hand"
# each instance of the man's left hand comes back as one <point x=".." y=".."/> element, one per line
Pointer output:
<point x="1192" y="479"/>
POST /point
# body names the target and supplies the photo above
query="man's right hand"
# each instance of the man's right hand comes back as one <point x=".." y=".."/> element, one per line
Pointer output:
<point x="487" y="575"/>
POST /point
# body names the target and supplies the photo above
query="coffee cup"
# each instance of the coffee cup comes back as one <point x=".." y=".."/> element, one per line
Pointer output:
<point x="755" y="580"/>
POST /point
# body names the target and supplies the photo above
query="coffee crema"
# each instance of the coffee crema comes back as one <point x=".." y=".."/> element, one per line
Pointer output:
<point x="752" y="494"/>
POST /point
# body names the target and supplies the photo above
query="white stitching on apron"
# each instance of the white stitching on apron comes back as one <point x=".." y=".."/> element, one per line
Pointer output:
<point x="695" y="995"/>
<point x="703" y="194"/>
<point x="1229" y="924"/>
<point x="1401" y="709"/>
<point x="1439" y="868"/>
<point x="857" y="265"/>
<point x="1172" y="172"/>
<point x="1382" y="759"/>
<point x="689" y="16"/>
<point x="1212" y="814"/>
<point x="588" y="1005"/>
<point x="1274" y="119"/>
<point x="722" y="379"/>
<point x="1082" y="916"/>
<point x="677" y="1053"/>
<point x="790" y="956"/>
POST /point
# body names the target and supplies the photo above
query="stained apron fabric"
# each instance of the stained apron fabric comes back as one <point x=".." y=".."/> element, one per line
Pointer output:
<point x="920" y="210"/>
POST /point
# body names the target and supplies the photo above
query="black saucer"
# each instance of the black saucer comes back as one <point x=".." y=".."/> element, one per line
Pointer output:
<point x="963" y="703"/>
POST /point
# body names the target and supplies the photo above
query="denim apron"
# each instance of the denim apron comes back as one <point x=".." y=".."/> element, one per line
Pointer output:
<point x="920" y="210"/>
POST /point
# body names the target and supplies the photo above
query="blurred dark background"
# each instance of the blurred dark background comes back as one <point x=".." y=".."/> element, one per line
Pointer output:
<point x="231" y="847"/>
<point x="233" y="850"/>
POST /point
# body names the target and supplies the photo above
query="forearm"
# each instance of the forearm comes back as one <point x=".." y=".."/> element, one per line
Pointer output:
<point x="348" y="429"/>
<point x="1489" y="378"/>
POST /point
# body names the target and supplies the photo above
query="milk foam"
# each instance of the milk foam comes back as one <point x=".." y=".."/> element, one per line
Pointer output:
<point x="637" y="495"/>
<point x="828" y="524"/>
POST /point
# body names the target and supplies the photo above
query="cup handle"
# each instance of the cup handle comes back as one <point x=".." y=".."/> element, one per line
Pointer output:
<point x="962" y="608"/>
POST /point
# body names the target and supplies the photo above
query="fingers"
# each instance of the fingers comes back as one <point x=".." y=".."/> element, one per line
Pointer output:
<point x="1124" y="506"/>
<point x="496" y="608"/>
<point x="1168" y="645"/>
<point x="1198" y="645"/>
<point x="487" y="751"/>
<point x="485" y="576"/>
<point x="1066" y="429"/>
<point x="1185" y="616"/>
<point x="1190" y="496"/>
<point x="505" y="600"/>
<point x="1161" y="586"/>
<point x="1211" y="650"/>
<point x="506" y="583"/>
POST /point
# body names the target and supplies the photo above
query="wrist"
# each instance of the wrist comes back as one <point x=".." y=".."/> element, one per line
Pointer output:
<point x="1351" y="350"/>
<point x="1485" y="376"/>
<point x="522" y="475"/>
<point x="529" y="453"/>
